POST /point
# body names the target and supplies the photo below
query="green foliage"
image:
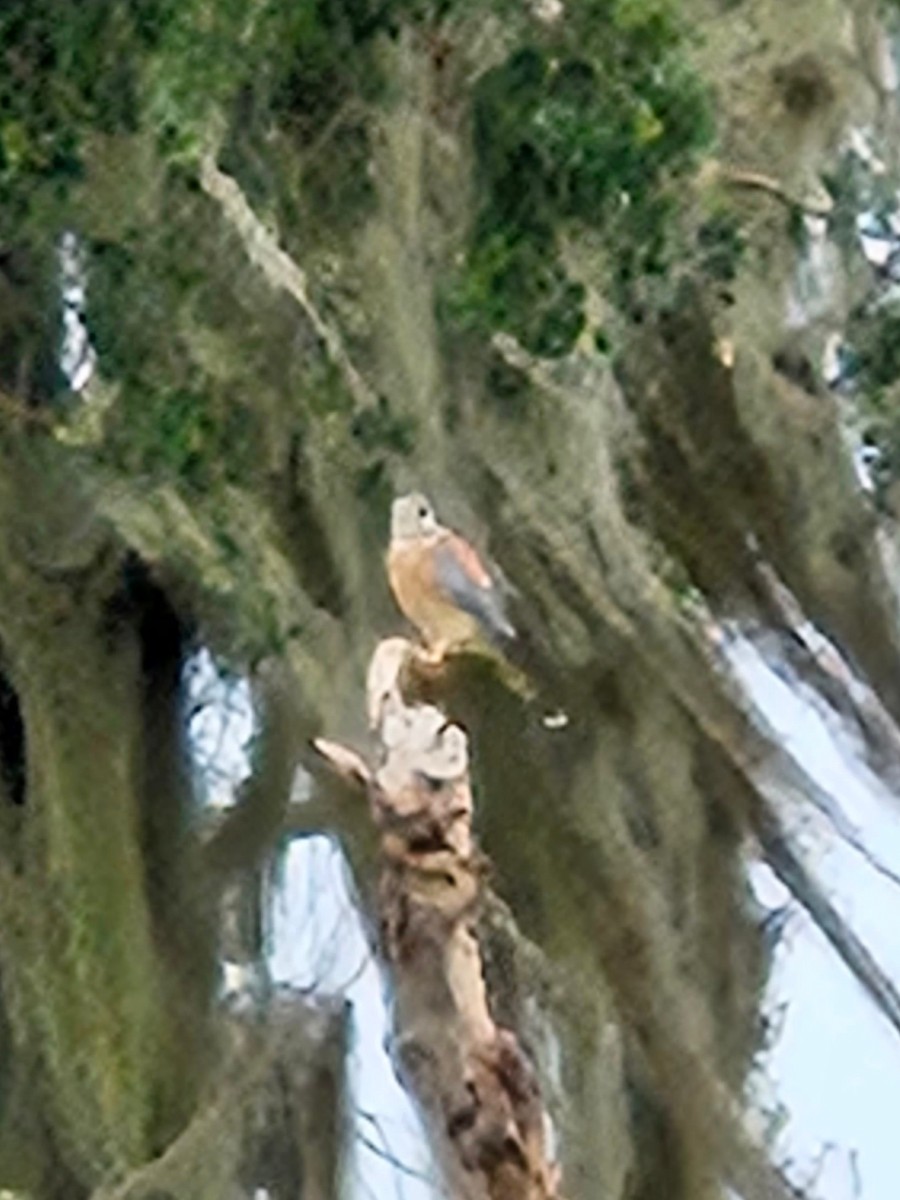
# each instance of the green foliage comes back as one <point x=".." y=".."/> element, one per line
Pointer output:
<point x="174" y="418"/>
<point x="380" y="432"/>
<point x="380" y="428"/>
<point x="586" y="126"/>
<point x="513" y="281"/>
<point x="292" y="63"/>
<point x="66" y="69"/>
<point x="874" y="335"/>
<point x="585" y="129"/>
<point x="338" y="197"/>
<point x="70" y="70"/>
<point x="194" y="436"/>
<point x="721" y="246"/>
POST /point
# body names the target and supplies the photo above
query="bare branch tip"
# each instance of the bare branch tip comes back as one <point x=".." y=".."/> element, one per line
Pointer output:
<point x="343" y="761"/>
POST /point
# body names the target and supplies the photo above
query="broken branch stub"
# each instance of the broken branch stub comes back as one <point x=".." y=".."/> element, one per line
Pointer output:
<point x="475" y="1085"/>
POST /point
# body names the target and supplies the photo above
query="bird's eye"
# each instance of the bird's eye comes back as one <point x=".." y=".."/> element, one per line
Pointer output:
<point x="423" y="513"/>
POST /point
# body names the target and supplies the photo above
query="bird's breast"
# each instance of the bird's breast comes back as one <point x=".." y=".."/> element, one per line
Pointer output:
<point x="411" y="573"/>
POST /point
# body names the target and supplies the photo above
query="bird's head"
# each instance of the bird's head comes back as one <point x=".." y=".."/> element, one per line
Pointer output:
<point x="412" y="516"/>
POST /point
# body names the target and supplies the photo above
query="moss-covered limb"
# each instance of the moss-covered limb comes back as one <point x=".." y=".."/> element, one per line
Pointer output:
<point x="793" y="472"/>
<point x="170" y="71"/>
<point x="356" y="432"/>
<point x="792" y="439"/>
<point x="247" y="833"/>
<point x="83" y="981"/>
<point x="626" y="888"/>
<point x="828" y="542"/>
<point x="567" y="1018"/>
<point x="226" y="557"/>
<point x="25" y="1148"/>
<point x="699" y="444"/>
<point x="273" y="1116"/>
<point x="619" y="886"/>
<point x="606" y="582"/>
<point x="244" y="474"/>
<point x="85" y="977"/>
<point x="793" y="446"/>
<point x="757" y="760"/>
<point x="313" y="1102"/>
<point x="715" y="173"/>
<point x="589" y="565"/>
<point x="30" y="1162"/>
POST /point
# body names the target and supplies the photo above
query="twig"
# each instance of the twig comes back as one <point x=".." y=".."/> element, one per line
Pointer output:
<point x="350" y="108"/>
<point x="787" y="865"/>
<point x="735" y="177"/>
<point x="344" y="761"/>
<point x="857" y="697"/>
<point x="849" y="695"/>
<point x="386" y="1156"/>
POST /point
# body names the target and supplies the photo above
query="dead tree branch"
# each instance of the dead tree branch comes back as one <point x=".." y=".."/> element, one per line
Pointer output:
<point x="477" y="1090"/>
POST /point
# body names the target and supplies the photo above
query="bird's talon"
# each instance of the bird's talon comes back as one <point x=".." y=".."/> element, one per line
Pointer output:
<point x="432" y="656"/>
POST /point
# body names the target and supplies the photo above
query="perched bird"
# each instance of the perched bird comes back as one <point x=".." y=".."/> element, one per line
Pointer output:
<point x="440" y="582"/>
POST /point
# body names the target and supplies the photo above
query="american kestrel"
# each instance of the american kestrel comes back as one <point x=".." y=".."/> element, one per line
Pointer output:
<point x="440" y="582"/>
